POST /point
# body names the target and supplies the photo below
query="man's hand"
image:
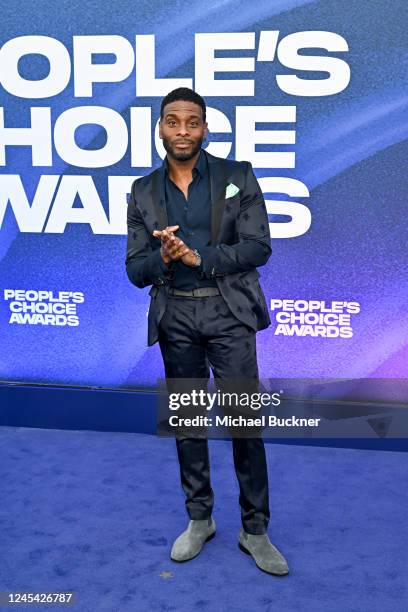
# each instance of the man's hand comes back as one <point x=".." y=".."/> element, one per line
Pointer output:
<point x="190" y="259"/>
<point x="173" y="248"/>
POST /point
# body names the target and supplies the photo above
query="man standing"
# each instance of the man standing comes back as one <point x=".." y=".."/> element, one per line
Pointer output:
<point x="197" y="231"/>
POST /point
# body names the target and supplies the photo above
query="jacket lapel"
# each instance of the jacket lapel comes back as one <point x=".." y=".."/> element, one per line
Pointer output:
<point x="156" y="199"/>
<point x="218" y="182"/>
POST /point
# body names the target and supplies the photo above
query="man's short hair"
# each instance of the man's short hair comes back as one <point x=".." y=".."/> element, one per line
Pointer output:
<point x="183" y="93"/>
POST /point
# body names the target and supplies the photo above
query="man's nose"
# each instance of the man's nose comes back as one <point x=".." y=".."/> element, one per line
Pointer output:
<point x="183" y="129"/>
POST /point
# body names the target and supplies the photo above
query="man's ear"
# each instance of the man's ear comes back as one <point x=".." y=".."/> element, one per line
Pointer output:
<point x="206" y="130"/>
<point x="160" y="130"/>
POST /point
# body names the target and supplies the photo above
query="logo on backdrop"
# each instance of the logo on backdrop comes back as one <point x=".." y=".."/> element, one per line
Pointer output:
<point x="49" y="139"/>
<point x="315" y="318"/>
<point x="31" y="307"/>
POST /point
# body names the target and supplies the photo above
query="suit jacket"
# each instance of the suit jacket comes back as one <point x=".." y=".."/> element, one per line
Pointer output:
<point x="240" y="242"/>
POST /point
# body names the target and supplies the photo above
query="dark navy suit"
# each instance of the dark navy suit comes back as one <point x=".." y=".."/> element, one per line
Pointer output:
<point x="240" y="242"/>
<point x="217" y="331"/>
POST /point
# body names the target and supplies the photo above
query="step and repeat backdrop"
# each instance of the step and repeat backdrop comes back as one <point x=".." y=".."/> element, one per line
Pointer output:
<point x="313" y="94"/>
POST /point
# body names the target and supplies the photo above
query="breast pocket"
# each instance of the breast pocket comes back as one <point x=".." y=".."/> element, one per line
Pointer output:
<point x="233" y="203"/>
<point x="229" y="224"/>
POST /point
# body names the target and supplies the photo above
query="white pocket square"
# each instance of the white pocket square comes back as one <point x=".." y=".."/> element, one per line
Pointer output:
<point x="231" y="190"/>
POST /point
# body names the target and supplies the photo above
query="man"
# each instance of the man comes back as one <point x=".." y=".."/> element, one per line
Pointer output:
<point x="197" y="230"/>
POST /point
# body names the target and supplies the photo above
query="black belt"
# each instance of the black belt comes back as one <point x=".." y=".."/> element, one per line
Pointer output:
<point x="199" y="292"/>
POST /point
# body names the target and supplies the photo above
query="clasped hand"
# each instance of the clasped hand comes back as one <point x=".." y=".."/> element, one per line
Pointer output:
<point x="173" y="248"/>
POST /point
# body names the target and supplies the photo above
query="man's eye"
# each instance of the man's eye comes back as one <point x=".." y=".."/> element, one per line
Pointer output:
<point x="194" y="124"/>
<point x="171" y="122"/>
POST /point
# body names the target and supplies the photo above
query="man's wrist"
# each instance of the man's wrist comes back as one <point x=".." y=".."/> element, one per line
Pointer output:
<point x="164" y="267"/>
<point x="198" y="258"/>
<point x="164" y="258"/>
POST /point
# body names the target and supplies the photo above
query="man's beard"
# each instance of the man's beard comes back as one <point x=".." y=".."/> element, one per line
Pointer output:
<point x="182" y="155"/>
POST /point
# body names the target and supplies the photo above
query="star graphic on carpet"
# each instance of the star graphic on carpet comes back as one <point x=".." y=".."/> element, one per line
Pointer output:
<point x="166" y="575"/>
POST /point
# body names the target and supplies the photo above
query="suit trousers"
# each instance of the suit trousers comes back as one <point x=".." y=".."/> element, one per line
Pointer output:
<point x="194" y="334"/>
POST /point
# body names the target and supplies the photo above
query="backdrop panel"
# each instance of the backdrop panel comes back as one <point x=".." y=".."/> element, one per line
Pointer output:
<point x="312" y="93"/>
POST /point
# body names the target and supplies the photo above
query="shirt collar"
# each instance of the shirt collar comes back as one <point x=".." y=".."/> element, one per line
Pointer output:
<point x="200" y="165"/>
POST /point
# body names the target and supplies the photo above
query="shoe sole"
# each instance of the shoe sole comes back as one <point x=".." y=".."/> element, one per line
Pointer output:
<point x="210" y="537"/>
<point x="247" y="552"/>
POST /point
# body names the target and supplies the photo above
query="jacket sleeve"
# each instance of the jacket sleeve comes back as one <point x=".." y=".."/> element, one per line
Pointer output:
<point x="144" y="265"/>
<point x="254" y="246"/>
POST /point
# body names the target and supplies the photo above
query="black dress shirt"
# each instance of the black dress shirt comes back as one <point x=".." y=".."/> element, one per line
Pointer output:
<point x="194" y="218"/>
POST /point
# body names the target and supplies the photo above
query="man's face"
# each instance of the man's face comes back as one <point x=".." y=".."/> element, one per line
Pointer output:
<point x="182" y="129"/>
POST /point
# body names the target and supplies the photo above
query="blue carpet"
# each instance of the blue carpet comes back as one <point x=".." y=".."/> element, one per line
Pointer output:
<point x="97" y="512"/>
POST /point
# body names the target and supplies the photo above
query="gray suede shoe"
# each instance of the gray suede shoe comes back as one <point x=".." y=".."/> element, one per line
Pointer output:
<point x="190" y="542"/>
<point x="266" y="556"/>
